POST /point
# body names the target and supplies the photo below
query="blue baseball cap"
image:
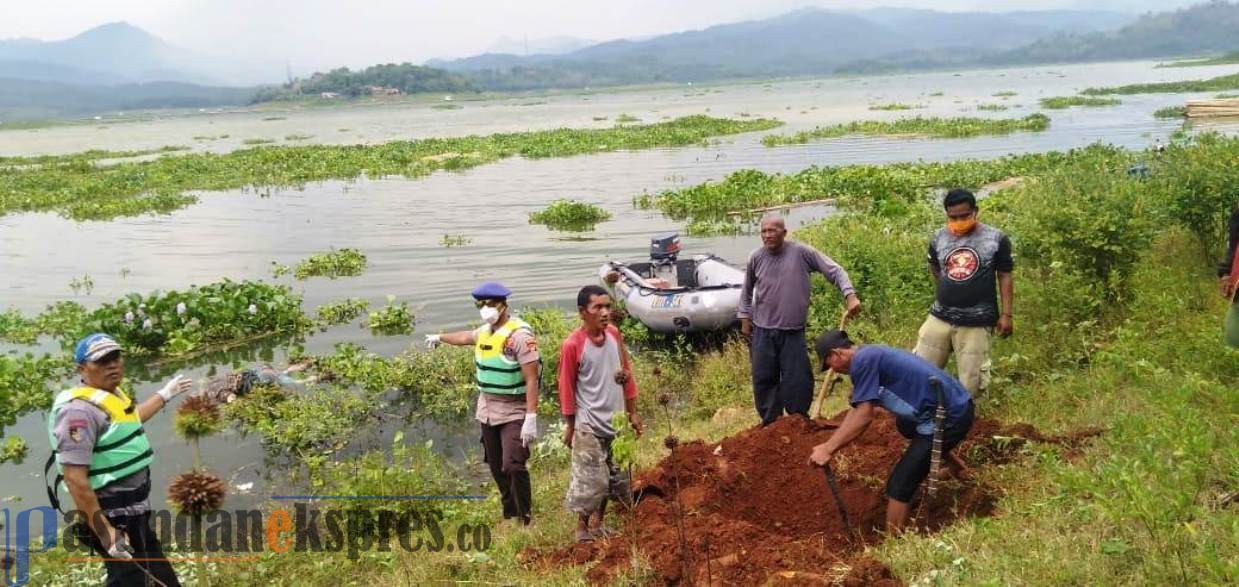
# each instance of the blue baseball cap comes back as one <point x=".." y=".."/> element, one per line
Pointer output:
<point x="94" y="347"/>
<point x="491" y="290"/>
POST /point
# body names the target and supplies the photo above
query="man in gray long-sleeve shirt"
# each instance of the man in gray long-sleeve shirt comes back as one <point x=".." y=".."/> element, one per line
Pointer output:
<point x="776" y="300"/>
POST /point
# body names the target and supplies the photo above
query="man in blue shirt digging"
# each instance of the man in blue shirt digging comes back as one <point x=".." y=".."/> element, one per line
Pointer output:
<point x="900" y="382"/>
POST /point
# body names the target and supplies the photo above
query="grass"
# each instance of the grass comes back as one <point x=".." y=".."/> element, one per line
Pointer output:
<point x="68" y="186"/>
<point x="1217" y="84"/>
<point x="1132" y="348"/>
<point x="918" y="127"/>
<point x="570" y="215"/>
<point x="1064" y="102"/>
<point x="1228" y="59"/>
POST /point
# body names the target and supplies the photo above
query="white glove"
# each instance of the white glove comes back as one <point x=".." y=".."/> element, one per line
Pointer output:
<point x="179" y="384"/>
<point x="433" y="340"/>
<point x="529" y="430"/>
<point x="120" y="547"/>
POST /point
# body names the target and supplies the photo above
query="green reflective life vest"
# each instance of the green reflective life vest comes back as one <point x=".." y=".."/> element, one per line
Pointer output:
<point x="122" y="449"/>
<point x="495" y="372"/>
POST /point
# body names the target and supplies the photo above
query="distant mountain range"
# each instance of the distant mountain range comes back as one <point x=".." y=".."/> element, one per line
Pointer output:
<point x="112" y="53"/>
<point x="119" y="66"/>
<point x="547" y="46"/>
<point x="817" y="42"/>
<point x="1206" y="28"/>
<point x="803" y="42"/>
<point x="115" y="66"/>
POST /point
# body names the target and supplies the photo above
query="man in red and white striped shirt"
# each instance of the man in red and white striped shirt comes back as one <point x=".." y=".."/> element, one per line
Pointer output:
<point x="595" y="382"/>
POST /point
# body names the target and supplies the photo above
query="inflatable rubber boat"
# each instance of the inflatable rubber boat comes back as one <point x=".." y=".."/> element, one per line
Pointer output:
<point x="669" y="294"/>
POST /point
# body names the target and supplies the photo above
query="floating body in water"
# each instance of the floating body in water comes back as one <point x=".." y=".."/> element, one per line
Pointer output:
<point x="226" y="388"/>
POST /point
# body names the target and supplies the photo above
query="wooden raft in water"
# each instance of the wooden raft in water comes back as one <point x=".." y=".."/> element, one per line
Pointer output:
<point x="1212" y="108"/>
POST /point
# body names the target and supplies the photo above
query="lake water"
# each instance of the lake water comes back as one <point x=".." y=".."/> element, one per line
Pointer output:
<point x="399" y="223"/>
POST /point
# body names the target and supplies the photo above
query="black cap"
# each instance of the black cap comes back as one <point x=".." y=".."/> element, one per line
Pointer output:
<point x="829" y="341"/>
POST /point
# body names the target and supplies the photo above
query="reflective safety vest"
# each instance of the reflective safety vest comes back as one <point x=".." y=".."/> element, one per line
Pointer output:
<point x="121" y="450"/>
<point x="495" y="372"/>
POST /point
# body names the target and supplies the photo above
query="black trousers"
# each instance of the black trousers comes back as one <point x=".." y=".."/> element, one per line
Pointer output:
<point x="506" y="457"/>
<point x="913" y="467"/>
<point x="124" y="573"/>
<point x="782" y="376"/>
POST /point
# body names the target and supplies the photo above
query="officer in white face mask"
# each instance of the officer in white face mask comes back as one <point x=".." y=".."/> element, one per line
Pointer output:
<point x="507" y="365"/>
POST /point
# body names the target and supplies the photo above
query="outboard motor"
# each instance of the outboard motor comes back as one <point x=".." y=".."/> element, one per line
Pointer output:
<point x="664" y="250"/>
<point x="665" y="247"/>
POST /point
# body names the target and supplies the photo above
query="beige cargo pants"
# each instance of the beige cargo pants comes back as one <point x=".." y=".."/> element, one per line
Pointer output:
<point x="938" y="338"/>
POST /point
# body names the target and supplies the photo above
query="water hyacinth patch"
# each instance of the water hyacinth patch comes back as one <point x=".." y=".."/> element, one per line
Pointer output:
<point x="179" y="322"/>
<point x="394" y="318"/>
<point x="1062" y="102"/>
<point x="332" y="264"/>
<point x="341" y="312"/>
<point x="1171" y="112"/>
<point x="71" y="186"/>
<point x="27" y="382"/>
<point x="885" y="187"/>
<point x="1217" y="84"/>
<point x="918" y="127"/>
<point x="570" y="215"/>
<point x="894" y="106"/>
<point x="454" y="240"/>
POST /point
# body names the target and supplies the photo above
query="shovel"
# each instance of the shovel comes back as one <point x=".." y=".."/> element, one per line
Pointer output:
<point x="834" y="491"/>
<point x="828" y="384"/>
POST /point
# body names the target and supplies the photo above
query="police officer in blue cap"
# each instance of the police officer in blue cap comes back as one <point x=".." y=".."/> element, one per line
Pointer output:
<point x="100" y="450"/>
<point x="507" y="363"/>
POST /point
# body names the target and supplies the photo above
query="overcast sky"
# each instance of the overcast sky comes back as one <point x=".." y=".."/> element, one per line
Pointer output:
<point x="313" y="34"/>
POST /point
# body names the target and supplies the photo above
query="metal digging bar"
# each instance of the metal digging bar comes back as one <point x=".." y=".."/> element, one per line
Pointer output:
<point x="833" y="484"/>
<point x="935" y="455"/>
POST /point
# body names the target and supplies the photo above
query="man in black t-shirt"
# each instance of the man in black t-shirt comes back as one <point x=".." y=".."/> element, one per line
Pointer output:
<point x="970" y="263"/>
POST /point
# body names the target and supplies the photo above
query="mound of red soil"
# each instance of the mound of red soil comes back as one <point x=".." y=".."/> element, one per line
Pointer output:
<point x="755" y="512"/>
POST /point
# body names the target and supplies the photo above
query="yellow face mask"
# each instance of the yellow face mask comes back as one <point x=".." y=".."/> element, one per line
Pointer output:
<point x="963" y="226"/>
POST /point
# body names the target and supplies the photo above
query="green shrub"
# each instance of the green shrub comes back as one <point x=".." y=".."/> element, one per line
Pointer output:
<point x="1095" y="222"/>
<point x="317" y="421"/>
<point x="414" y="469"/>
<point x="1199" y="193"/>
